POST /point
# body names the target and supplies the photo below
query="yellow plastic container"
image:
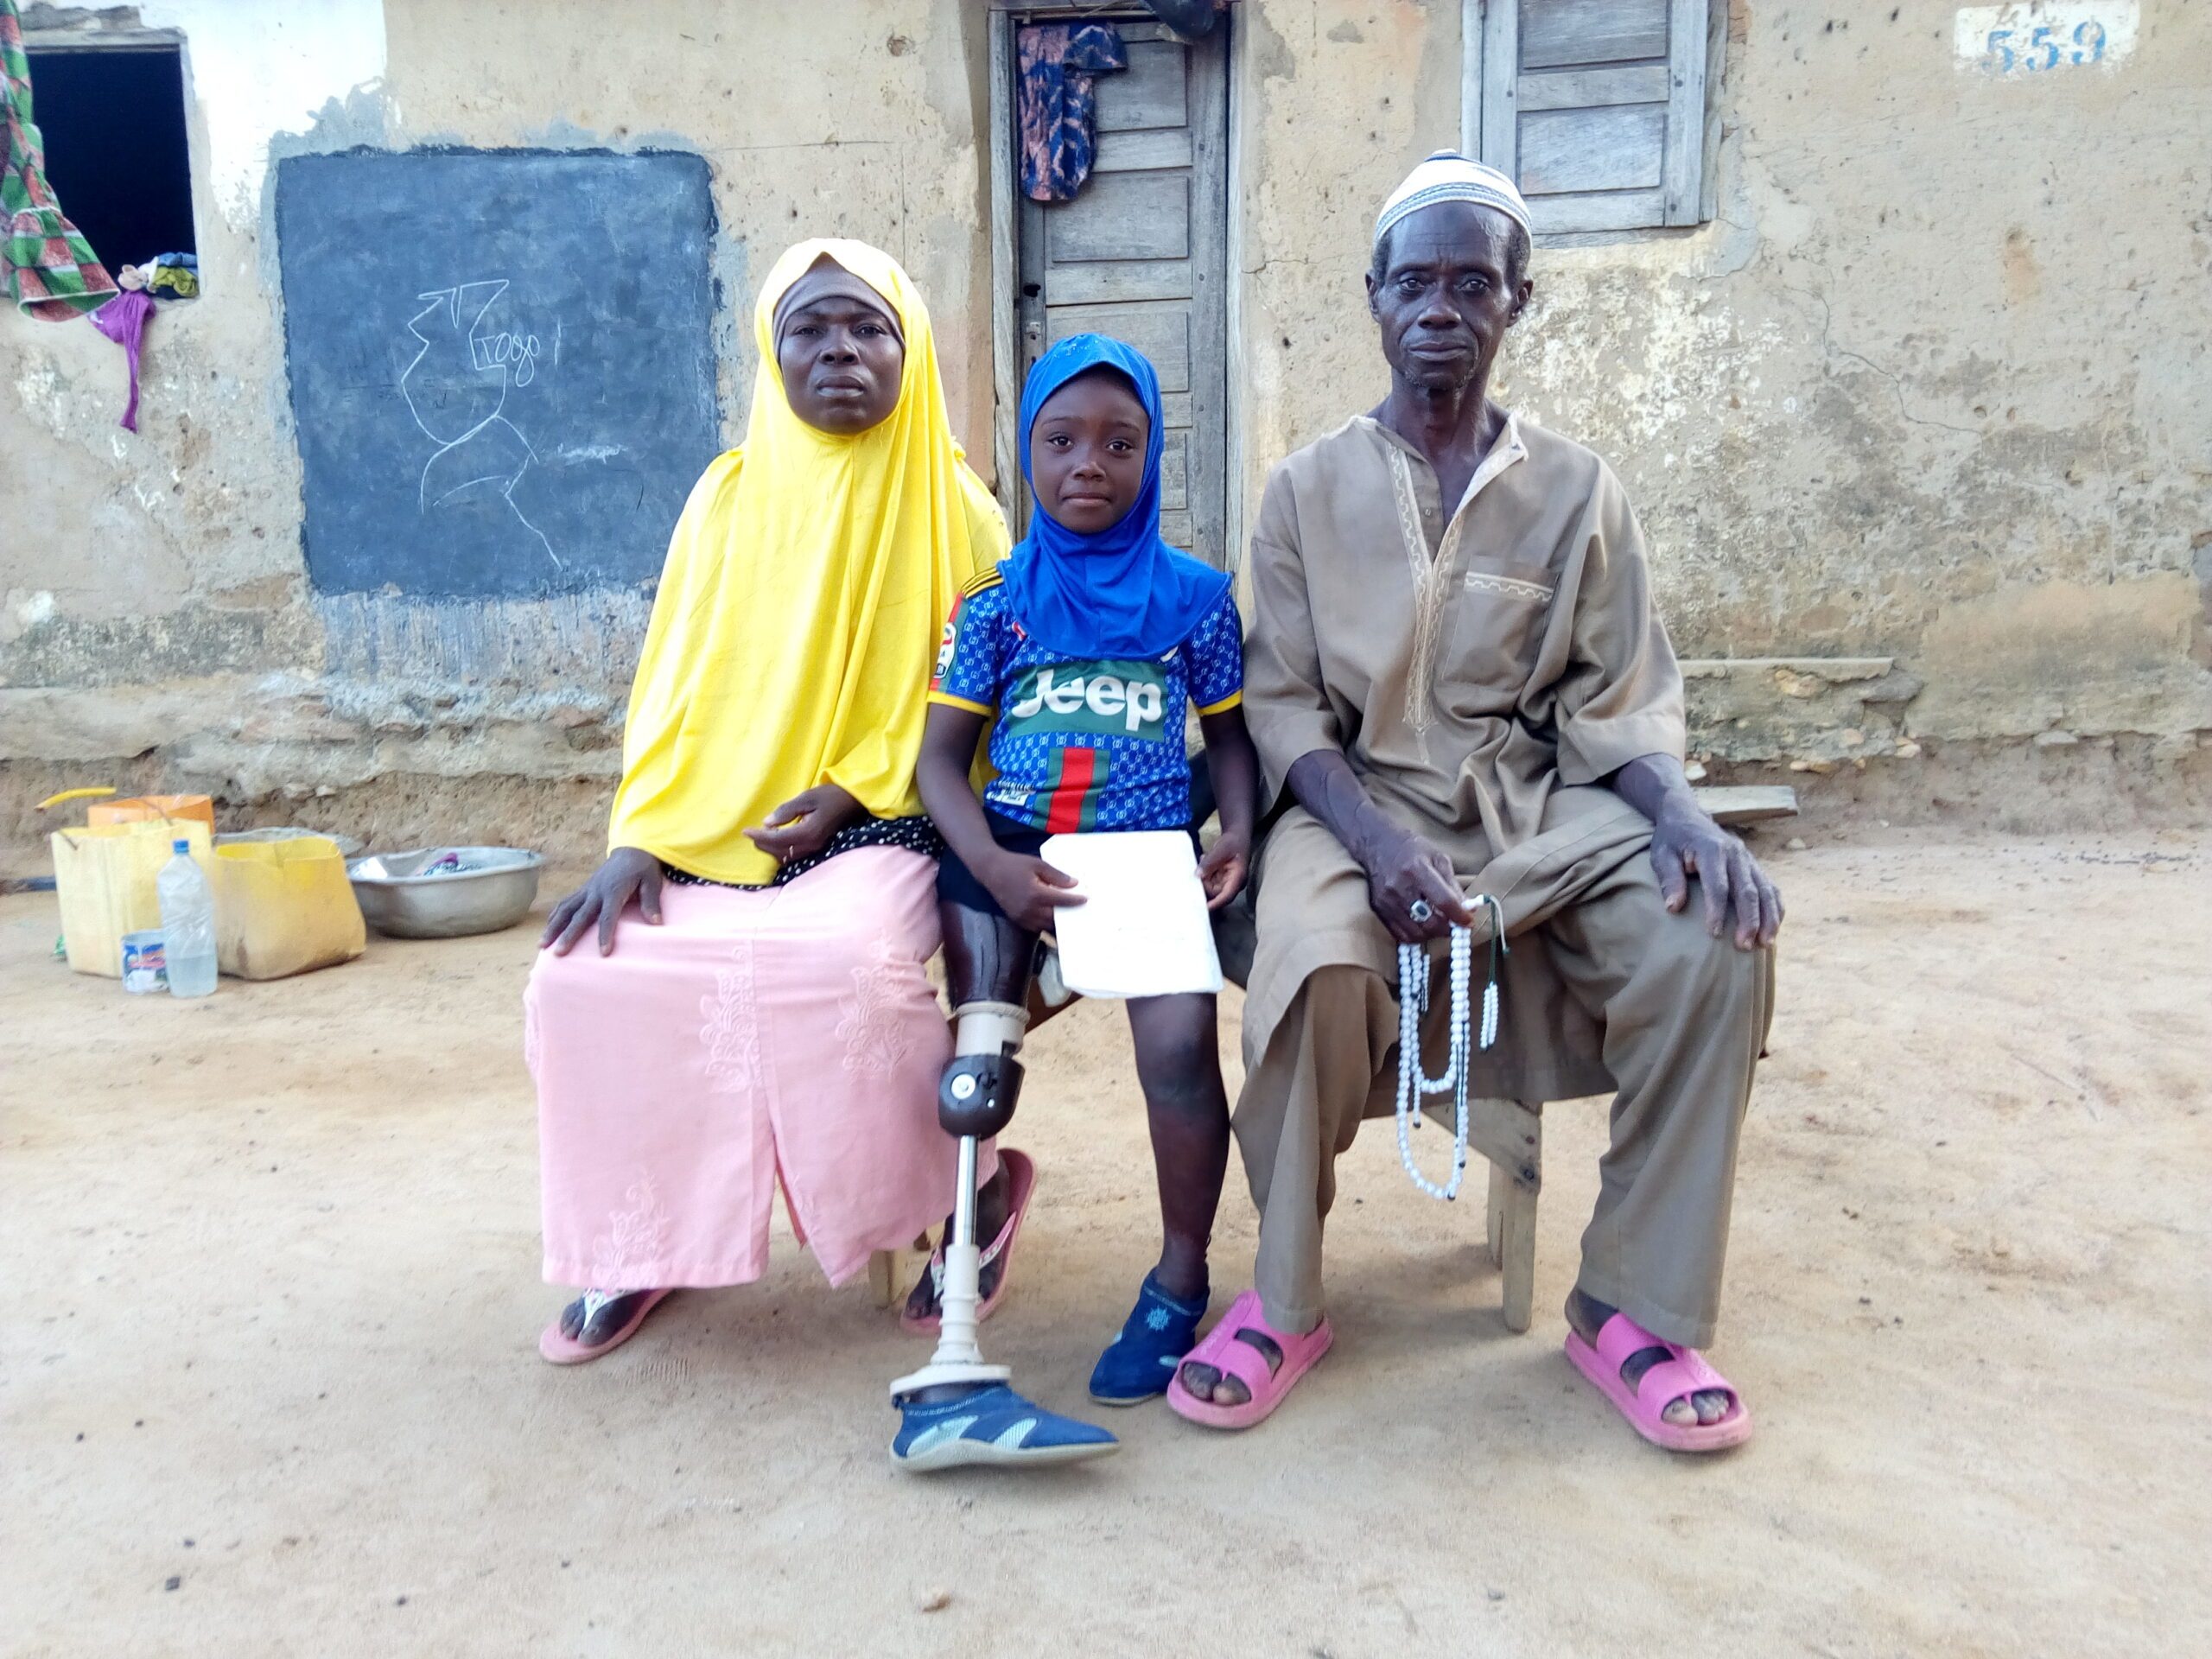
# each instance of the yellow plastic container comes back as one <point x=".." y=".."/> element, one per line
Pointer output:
<point x="139" y="808"/>
<point x="283" y="907"/>
<point x="103" y="875"/>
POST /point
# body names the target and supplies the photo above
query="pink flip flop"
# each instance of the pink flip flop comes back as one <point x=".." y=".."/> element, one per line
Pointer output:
<point x="1241" y="1360"/>
<point x="1686" y="1372"/>
<point x="1021" y="1185"/>
<point x="559" y="1349"/>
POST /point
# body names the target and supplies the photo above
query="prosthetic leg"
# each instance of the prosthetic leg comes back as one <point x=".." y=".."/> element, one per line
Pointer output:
<point x="957" y="1409"/>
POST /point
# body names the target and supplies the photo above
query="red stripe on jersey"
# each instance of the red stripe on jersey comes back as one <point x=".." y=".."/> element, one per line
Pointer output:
<point x="1064" y="812"/>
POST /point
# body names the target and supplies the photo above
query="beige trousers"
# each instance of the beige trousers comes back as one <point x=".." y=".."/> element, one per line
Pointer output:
<point x="1684" y="1017"/>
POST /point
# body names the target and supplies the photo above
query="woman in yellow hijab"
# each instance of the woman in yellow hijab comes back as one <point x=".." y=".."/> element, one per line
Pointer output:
<point x="764" y="1016"/>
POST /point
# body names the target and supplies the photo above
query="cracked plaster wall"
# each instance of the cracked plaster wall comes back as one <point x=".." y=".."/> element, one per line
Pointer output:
<point x="156" y="621"/>
<point x="1927" y="389"/>
<point x="1922" y="401"/>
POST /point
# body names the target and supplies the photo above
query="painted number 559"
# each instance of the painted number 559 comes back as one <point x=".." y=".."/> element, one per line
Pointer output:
<point x="2045" y="47"/>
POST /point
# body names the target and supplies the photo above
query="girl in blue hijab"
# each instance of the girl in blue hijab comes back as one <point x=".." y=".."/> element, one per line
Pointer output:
<point x="1120" y="590"/>
<point x="1082" y="653"/>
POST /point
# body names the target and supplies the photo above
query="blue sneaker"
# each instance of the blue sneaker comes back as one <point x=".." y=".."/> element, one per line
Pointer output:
<point x="993" y="1424"/>
<point x="1159" y="1332"/>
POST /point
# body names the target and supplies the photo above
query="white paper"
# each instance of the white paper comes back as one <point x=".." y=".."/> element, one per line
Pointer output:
<point x="1142" y="929"/>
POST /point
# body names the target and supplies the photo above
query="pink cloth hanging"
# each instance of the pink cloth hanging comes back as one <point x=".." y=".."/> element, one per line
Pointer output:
<point x="123" y="320"/>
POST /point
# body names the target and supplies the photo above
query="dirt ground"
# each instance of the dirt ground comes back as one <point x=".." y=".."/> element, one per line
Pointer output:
<point x="269" y="1386"/>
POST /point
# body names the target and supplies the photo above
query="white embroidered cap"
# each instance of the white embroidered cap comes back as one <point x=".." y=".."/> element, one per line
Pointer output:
<point x="1449" y="176"/>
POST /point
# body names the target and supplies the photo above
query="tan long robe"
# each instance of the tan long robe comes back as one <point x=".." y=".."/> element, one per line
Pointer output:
<point x="1481" y="675"/>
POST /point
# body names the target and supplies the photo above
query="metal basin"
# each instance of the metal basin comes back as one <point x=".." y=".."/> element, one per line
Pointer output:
<point x="346" y="845"/>
<point x="445" y="892"/>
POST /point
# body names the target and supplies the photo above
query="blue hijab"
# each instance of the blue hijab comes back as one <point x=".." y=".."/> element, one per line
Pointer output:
<point x="1122" y="592"/>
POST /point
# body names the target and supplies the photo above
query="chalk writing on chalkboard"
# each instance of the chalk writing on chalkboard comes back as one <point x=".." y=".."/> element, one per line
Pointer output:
<point x="456" y="389"/>
<point x="501" y="363"/>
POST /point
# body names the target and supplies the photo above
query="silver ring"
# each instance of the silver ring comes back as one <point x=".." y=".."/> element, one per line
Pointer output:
<point x="1422" y="910"/>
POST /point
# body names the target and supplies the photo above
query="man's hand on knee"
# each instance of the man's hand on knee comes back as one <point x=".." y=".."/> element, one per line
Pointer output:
<point x="1739" y="897"/>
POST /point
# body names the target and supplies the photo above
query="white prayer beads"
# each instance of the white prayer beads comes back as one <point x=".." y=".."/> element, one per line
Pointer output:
<point x="1414" y="974"/>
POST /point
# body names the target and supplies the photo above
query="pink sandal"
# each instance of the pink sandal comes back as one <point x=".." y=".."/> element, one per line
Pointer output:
<point x="1686" y="1372"/>
<point x="558" y="1348"/>
<point x="1021" y="1185"/>
<point x="1231" y="1358"/>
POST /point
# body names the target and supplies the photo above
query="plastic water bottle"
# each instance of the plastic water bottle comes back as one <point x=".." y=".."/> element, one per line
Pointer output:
<point x="188" y="923"/>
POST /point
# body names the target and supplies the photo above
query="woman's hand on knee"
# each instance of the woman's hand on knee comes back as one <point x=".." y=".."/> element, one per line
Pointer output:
<point x="629" y="872"/>
<point x="802" y="826"/>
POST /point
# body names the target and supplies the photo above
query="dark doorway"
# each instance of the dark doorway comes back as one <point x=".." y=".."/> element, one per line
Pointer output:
<point x="113" y="121"/>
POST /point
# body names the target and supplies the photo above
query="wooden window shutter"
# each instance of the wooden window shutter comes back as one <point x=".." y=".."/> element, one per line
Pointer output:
<point x="1596" y="108"/>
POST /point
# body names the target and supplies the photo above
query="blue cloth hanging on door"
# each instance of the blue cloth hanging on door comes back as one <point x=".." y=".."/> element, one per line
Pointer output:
<point x="1058" y="101"/>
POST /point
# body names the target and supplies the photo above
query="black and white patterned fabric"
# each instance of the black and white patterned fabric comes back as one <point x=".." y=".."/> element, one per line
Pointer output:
<point x="916" y="834"/>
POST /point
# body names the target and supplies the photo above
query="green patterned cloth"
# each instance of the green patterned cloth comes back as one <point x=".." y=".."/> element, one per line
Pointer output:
<point x="50" y="269"/>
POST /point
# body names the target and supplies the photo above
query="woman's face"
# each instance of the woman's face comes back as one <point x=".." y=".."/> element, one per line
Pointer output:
<point x="1086" y="452"/>
<point x="842" y="362"/>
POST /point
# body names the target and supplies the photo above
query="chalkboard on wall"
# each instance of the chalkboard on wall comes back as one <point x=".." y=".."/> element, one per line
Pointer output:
<point x="502" y="364"/>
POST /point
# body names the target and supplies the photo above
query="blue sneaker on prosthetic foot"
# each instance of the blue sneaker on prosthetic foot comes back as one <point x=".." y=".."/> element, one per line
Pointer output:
<point x="1141" y="1361"/>
<point x="993" y="1424"/>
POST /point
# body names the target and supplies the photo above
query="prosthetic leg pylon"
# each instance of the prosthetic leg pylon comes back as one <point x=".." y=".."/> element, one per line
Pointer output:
<point x="975" y="1099"/>
<point x="976" y="1418"/>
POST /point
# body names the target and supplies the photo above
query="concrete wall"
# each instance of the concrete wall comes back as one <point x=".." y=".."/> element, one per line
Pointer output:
<point x="1920" y="404"/>
<point x="156" y="622"/>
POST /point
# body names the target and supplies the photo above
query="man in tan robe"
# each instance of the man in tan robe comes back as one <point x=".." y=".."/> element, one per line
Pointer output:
<point x="1482" y="701"/>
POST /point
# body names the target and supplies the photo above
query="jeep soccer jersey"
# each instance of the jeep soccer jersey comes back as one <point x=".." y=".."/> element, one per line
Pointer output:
<point x="1081" y="743"/>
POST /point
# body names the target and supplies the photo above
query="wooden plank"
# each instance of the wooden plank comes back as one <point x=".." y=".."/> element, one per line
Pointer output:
<point x="1111" y="282"/>
<point x="1121" y="216"/>
<point x="1716" y="65"/>
<point x="1137" y="152"/>
<point x="1006" y="359"/>
<point x="1735" y="804"/>
<point x="1619" y="149"/>
<point x="1554" y="33"/>
<point x="1175" y="407"/>
<point x="1235" y="371"/>
<point x="1507" y="1133"/>
<point x="1586" y="89"/>
<point x="1494" y="1217"/>
<point x="1151" y="92"/>
<point x="1207" y="379"/>
<point x="1175" y="468"/>
<point x="1623" y="210"/>
<point x="1179" y="530"/>
<point x="1034" y="316"/>
<point x="1517" y="1259"/>
<point x="1685" y="144"/>
<point x="1161" y="332"/>
<point x="1510" y="1135"/>
<point x="1501" y="116"/>
<point x="1470" y="77"/>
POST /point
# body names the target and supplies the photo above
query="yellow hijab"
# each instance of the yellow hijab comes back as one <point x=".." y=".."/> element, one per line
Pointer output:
<point x="807" y="585"/>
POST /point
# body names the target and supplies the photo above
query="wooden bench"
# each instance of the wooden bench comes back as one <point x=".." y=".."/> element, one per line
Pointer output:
<point x="1509" y="1134"/>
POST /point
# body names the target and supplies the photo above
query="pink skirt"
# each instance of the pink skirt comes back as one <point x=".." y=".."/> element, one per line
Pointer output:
<point x="756" y="1036"/>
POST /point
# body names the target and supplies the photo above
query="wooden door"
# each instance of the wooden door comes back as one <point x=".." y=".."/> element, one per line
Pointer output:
<point x="1143" y="254"/>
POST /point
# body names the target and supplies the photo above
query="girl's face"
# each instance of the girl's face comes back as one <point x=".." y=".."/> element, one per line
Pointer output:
<point x="1086" y="452"/>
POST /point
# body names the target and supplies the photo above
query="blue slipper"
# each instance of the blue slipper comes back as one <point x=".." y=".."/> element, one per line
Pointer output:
<point x="993" y="1424"/>
<point x="1159" y="1332"/>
